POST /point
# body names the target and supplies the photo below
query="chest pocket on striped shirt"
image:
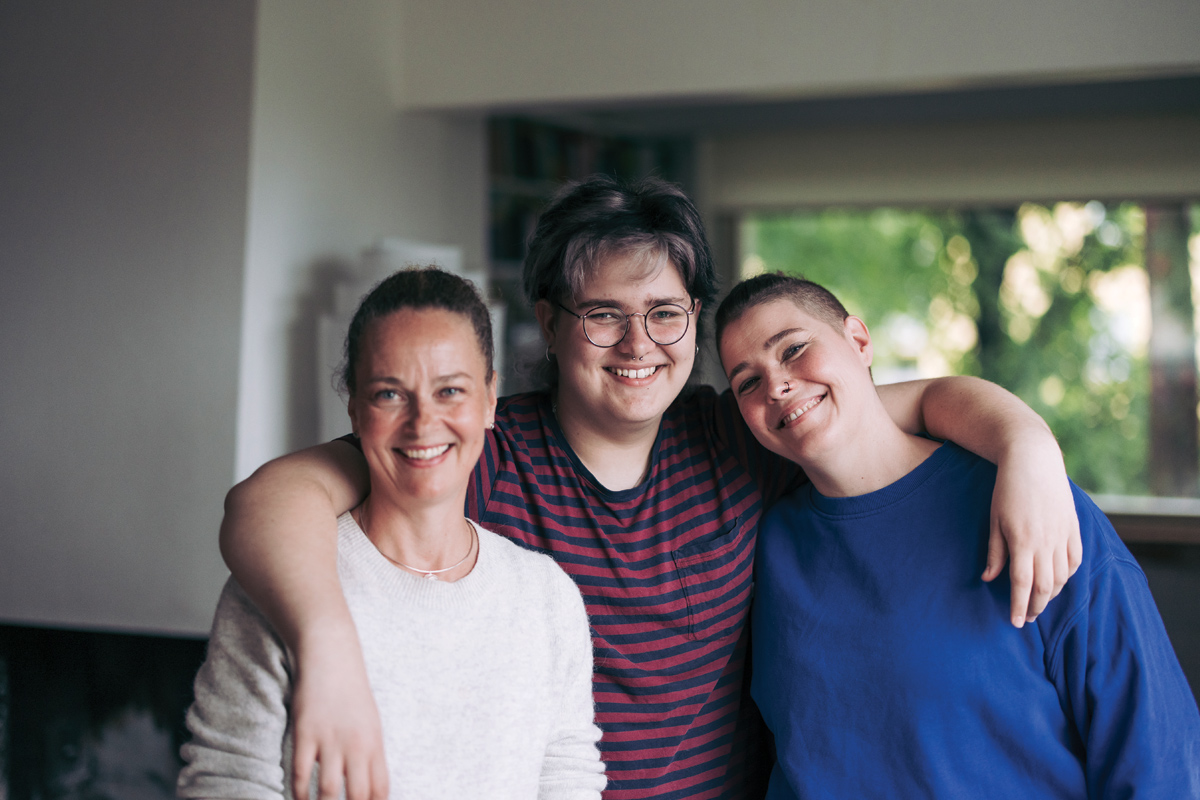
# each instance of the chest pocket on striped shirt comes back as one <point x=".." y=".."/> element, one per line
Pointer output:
<point x="715" y="574"/>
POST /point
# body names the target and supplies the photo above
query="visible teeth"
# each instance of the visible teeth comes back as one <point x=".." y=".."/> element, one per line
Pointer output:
<point x="799" y="412"/>
<point x="645" y="372"/>
<point x="426" y="453"/>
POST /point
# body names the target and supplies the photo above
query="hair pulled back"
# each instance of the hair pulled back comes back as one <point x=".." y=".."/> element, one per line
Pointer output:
<point x="418" y="289"/>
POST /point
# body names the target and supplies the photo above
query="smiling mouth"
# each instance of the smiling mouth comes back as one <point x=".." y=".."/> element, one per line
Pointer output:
<point x="802" y="410"/>
<point x="644" y="372"/>
<point x="425" y="453"/>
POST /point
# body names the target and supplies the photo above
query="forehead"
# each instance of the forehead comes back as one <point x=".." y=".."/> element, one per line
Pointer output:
<point x="632" y="278"/>
<point x="749" y="335"/>
<point x="430" y="338"/>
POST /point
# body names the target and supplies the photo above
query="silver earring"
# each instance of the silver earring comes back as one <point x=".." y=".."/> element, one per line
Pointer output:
<point x="491" y="426"/>
<point x="548" y="358"/>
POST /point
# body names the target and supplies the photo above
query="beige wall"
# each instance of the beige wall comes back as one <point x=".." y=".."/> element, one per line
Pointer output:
<point x="460" y="53"/>
<point x="334" y="166"/>
<point x="124" y="146"/>
<point x="179" y="182"/>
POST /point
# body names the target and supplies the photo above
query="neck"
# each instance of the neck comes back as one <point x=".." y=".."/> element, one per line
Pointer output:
<point x="426" y="538"/>
<point x="618" y="457"/>
<point x="879" y="455"/>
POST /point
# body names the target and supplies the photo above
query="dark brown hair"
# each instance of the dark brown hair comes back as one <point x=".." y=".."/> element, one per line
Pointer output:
<point x="418" y="288"/>
<point x="601" y="217"/>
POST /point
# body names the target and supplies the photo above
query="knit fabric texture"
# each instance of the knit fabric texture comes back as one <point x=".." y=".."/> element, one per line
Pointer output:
<point x="484" y="685"/>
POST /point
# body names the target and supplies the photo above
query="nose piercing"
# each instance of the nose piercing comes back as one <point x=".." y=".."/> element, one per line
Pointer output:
<point x="787" y="387"/>
<point x="641" y="358"/>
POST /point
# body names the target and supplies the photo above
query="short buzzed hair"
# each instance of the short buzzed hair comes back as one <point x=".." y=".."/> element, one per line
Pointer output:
<point x="812" y="297"/>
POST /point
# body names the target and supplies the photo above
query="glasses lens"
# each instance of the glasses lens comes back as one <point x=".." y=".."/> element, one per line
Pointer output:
<point x="666" y="324"/>
<point x="604" y="326"/>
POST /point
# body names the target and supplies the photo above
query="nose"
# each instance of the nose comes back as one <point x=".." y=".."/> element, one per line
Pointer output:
<point x="637" y="341"/>
<point x="420" y="414"/>
<point x="780" y="386"/>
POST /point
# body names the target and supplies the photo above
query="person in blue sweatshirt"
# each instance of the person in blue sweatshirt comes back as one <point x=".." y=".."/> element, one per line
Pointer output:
<point x="883" y="664"/>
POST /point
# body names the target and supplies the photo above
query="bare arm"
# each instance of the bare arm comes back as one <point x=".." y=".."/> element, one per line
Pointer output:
<point x="279" y="535"/>
<point x="1033" y="516"/>
<point x="279" y="538"/>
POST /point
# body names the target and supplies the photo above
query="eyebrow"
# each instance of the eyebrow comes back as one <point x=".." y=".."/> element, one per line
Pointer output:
<point x="605" y="302"/>
<point x="767" y="345"/>
<point x="454" y="376"/>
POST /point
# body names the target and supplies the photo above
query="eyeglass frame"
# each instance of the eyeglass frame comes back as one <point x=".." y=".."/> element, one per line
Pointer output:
<point x="645" y="322"/>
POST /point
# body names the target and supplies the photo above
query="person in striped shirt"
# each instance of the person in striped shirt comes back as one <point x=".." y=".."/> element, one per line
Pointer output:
<point x="645" y="489"/>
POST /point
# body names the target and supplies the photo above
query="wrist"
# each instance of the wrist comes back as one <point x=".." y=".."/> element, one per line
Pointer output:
<point x="330" y="637"/>
<point x="1033" y="444"/>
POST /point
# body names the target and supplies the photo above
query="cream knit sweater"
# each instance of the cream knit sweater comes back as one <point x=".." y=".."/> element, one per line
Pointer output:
<point x="484" y="685"/>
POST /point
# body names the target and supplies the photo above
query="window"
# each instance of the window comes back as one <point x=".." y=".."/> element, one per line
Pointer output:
<point x="1052" y="301"/>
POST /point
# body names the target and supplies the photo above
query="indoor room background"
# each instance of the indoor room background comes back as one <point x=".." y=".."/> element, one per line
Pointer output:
<point x="190" y="192"/>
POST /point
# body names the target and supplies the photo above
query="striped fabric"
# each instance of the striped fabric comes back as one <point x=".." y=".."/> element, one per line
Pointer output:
<point x="665" y="570"/>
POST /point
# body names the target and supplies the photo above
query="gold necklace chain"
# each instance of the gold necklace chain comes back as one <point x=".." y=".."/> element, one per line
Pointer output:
<point x="428" y="574"/>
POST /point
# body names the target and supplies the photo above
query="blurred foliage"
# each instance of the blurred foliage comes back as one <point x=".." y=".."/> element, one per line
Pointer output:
<point x="1050" y="302"/>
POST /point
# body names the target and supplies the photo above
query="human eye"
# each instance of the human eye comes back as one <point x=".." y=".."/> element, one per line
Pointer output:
<point x="385" y="395"/>
<point x="451" y="392"/>
<point x="747" y="386"/>
<point x="669" y="313"/>
<point x="793" y="350"/>
<point x="605" y="316"/>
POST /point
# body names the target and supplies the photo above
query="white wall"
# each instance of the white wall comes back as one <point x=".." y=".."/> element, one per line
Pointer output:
<point x="460" y="53"/>
<point x="180" y="182"/>
<point x="334" y="167"/>
<point x="124" y="141"/>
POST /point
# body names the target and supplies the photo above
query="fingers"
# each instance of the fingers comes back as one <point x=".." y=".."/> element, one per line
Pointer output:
<point x="330" y="777"/>
<point x="358" y="780"/>
<point x="303" y="758"/>
<point x="1020" y="576"/>
<point x="379" y="779"/>
<point x="1044" y="585"/>
<point x="1074" y="550"/>
<point x="997" y="552"/>
<point x="366" y="778"/>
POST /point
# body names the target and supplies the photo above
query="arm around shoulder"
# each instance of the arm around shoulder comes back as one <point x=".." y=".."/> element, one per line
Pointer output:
<point x="1033" y="520"/>
<point x="279" y="538"/>
<point x="279" y="534"/>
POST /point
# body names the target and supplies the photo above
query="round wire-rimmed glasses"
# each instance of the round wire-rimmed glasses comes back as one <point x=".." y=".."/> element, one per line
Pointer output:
<point x="665" y="323"/>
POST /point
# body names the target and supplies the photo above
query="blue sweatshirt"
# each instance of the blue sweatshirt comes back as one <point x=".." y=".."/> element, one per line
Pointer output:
<point x="886" y="668"/>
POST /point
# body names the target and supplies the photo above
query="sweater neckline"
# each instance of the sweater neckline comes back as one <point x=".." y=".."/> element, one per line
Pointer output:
<point x="361" y="554"/>
<point x="880" y="499"/>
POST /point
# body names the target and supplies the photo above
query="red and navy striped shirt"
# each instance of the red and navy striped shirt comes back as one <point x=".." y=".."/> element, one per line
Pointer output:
<point x="665" y="571"/>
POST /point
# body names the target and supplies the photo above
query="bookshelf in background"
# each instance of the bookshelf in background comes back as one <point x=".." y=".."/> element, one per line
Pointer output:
<point x="527" y="163"/>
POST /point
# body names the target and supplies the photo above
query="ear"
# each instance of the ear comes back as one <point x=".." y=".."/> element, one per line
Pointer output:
<point x="858" y="335"/>
<point x="547" y="321"/>
<point x="491" y="400"/>
<point x="352" y="408"/>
